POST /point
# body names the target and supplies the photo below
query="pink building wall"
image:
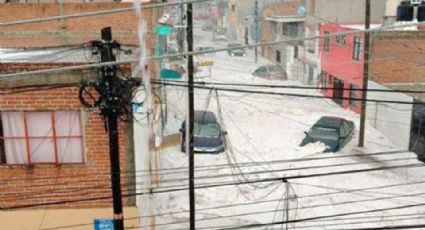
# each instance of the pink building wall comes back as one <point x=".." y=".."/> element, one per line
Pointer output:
<point x="338" y="63"/>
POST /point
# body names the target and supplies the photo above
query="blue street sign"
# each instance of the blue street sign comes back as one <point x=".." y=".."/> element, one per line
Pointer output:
<point x="103" y="224"/>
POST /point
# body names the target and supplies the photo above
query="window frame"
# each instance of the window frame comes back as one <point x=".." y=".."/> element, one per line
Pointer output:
<point x="357" y="50"/>
<point x="327" y="41"/>
<point x="325" y="81"/>
<point x="341" y="39"/>
<point x="290" y="29"/>
<point x="278" y="56"/>
<point x="54" y="137"/>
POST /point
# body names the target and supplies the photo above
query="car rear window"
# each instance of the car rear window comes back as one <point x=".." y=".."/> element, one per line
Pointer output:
<point x="323" y="133"/>
<point x="206" y="130"/>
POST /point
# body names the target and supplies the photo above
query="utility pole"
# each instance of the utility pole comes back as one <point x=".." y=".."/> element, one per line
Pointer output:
<point x="365" y="75"/>
<point x="110" y="114"/>
<point x="114" y="102"/>
<point x="180" y="30"/>
<point x="189" y="133"/>
<point x="256" y="30"/>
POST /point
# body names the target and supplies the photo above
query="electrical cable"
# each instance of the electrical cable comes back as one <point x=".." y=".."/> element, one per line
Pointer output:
<point x="280" y="86"/>
<point x="236" y="90"/>
<point x="96" y="13"/>
<point x="88" y="66"/>
<point x="220" y="185"/>
<point x="224" y="166"/>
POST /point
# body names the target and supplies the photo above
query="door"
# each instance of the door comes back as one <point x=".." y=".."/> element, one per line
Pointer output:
<point x="338" y="91"/>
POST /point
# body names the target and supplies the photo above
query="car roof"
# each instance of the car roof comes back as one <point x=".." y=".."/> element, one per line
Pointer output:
<point x="202" y="116"/>
<point x="332" y="122"/>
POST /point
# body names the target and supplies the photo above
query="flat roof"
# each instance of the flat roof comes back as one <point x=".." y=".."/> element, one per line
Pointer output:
<point x="360" y="26"/>
<point x="291" y="18"/>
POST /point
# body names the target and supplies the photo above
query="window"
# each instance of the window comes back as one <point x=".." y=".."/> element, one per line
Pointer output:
<point x="278" y="58"/>
<point x="327" y="41"/>
<point x="311" y="46"/>
<point x="340" y="39"/>
<point x="324" y="80"/>
<point x="290" y="29"/>
<point x="295" y="52"/>
<point x="354" y="95"/>
<point x="41" y="137"/>
<point x="357" y="48"/>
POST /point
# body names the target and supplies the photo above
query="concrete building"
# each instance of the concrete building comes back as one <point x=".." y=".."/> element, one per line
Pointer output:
<point x="51" y="149"/>
<point x="35" y="172"/>
<point x="393" y="65"/>
<point x="281" y="21"/>
<point x="330" y="11"/>
<point x="242" y="19"/>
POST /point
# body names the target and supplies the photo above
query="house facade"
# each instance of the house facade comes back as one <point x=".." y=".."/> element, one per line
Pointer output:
<point x="331" y="11"/>
<point x="341" y="59"/>
<point x="51" y="148"/>
<point x="282" y="22"/>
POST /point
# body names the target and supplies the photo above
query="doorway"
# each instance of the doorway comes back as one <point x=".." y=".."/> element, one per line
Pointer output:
<point x="338" y="91"/>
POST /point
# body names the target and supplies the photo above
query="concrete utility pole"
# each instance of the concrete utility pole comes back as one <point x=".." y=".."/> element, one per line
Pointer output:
<point x="365" y="75"/>
<point x="256" y="30"/>
<point x="189" y="133"/>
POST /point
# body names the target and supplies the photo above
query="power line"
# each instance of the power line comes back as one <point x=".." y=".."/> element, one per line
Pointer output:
<point x="321" y="217"/>
<point x="221" y="166"/>
<point x="29" y="193"/>
<point x="420" y="226"/>
<point x="280" y="86"/>
<point x="88" y="66"/>
<point x="290" y="94"/>
<point x="221" y="185"/>
<point x="268" y="201"/>
<point x="96" y="13"/>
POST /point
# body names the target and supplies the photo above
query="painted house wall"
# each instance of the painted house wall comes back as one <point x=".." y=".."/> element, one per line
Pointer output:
<point x="339" y="63"/>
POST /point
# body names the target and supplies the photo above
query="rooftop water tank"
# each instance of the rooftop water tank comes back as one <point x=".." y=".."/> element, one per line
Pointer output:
<point x="405" y="11"/>
<point x="421" y="12"/>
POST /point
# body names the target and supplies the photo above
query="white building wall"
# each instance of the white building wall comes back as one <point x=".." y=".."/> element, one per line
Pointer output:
<point x="392" y="120"/>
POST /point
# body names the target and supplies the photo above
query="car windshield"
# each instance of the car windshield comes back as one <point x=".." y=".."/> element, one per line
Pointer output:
<point x="206" y="130"/>
<point x="323" y="133"/>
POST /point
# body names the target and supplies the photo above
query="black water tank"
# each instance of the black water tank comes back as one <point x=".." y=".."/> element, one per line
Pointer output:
<point x="421" y="12"/>
<point x="405" y="11"/>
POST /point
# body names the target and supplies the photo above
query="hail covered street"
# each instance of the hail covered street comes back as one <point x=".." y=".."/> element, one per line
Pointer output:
<point x="263" y="137"/>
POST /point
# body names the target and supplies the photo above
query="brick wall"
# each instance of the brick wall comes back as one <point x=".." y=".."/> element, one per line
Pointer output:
<point x="397" y="57"/>
<point x="22" y="184"/>
<point x="69" y="31"/>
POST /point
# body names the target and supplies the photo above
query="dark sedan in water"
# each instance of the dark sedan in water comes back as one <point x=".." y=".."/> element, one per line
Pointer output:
<point x="208" y="134"/>
<point x="334" y="132"/>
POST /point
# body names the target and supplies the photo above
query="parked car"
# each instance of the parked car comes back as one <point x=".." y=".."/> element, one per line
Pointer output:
<point x="236" y="51"/>
<point x="208" y="135"/>
<point x="205" y="48"/>
<point x="334" y="132"/>
<point x="272" y="72"/>
<point x="220" y="35"/>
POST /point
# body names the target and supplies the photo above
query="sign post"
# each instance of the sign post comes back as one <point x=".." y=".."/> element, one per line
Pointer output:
<point x="208" y="64"/>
